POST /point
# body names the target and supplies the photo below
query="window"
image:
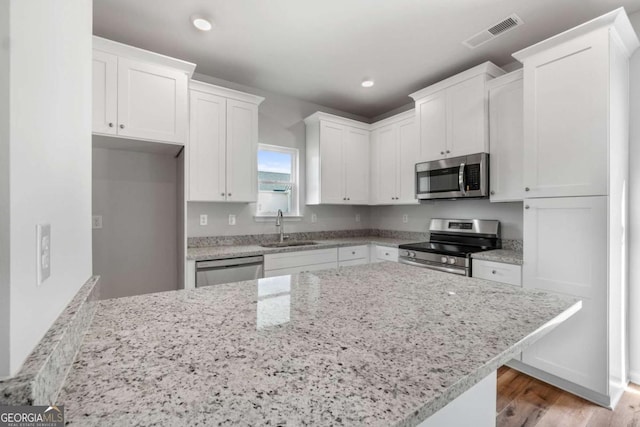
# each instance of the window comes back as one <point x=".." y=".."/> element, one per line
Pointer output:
<point x="277" y="180"/>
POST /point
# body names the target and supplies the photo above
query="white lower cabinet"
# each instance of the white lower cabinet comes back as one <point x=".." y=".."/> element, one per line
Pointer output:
<point x="383" y="253"/>
<point x="497" y="272"/>
<point x="565" y="252"/>
<point x="353" y="255"/>
<point x="301" y="261"/>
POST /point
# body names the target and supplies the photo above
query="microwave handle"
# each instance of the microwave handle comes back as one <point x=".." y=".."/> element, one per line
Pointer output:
<point x="461" y="179"/>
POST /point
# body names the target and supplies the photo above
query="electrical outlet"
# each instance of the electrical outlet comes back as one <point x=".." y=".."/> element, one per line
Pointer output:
<point x="357" y="217"/>
<point x="232" y="219"/>
<point x="405" y="218"/>
<point x="204" y="219"/>
<point x="314" y="217"/>
<point x="96" y="222"/>
<point x="43" y="234"/>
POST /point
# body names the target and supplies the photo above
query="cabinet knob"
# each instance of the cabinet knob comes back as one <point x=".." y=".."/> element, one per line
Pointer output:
<point x="493" y="192"/>
<point x="222" y="194"/>
<point x="386" y="253"/>
<point x="442" y="152"/>
<point x="121" y="126"/>
<point x="493" y="272"/>
<point x="448" y="151"/>
<point x="353" y="252"/>
<point x="526" y="188"/>
<point x="229" y="194"/>
<point x="348" y="198"/>
<point x="526" y="207"/>
<point x="110" y="125"/>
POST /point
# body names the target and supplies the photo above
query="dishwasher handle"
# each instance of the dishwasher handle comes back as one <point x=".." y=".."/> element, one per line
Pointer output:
<point x="229" y="262"/>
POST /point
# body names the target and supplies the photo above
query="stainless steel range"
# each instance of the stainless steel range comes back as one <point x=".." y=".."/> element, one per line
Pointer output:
<point x="451" y="244"/>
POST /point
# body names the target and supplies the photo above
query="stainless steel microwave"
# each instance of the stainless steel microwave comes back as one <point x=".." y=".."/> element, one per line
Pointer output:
<point x="455" y="178"/>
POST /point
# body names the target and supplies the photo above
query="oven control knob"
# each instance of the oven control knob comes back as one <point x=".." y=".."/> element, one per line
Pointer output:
<point x="443" y="259"/>
<point x="452" y="260"/>
<point x="412" y="254"/>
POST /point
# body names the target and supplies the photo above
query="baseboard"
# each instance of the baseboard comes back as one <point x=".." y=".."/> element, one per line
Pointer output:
<point x="634" y="377"/>
<point x="585" y="393"/>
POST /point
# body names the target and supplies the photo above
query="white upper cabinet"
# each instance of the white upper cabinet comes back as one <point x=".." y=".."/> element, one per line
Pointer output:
<point x="138" y="94"/>
<point x="337" y="160"/>
<point x="570" y="116"/>
<point x="506" y="137"/>
<point x="223" y="144"/>
<point x="452" y="115"/>
<point x="105" y="93"/>
<point x="393" y="158"/>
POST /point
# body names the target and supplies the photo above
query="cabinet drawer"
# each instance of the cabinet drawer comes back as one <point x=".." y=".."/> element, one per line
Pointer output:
<point x="353" y="252"/>
<point x="497" y="272"/>
<point x="384" y="253"/>
<point x="351" y="262"/>
<point x="300" y="269"/>
<point x="301" y="258"/>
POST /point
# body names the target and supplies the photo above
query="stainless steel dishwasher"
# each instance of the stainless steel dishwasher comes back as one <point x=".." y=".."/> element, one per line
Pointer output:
<point x="229" y="270"/>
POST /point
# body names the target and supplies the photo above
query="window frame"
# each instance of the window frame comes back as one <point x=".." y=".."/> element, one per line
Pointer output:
<point x="295" y="181"/>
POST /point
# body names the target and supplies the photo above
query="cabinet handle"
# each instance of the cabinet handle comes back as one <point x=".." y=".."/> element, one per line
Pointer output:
<point x="121" y="126"/>
<point x="526" y="188"/>
<point x="110" y="125"/>
<point x="493" y="192"/>
<point x="526" y="207"/>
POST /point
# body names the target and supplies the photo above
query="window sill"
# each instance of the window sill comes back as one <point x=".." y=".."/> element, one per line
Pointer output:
<point x="270" y="218"/>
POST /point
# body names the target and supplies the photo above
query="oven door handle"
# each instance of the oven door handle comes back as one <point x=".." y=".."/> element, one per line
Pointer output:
<point x="461" y="183"/>
<point x="460" y="271"/>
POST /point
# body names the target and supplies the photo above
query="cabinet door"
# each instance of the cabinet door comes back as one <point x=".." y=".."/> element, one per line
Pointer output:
<point x="105" y="92"/>
<point x="466" y="117"/>
<point x="565" y="252"/>
<point x="242" y="151"/>
<point x="566" y="119"/>
<point x="506" y="141"/>
<point x="356" y="164"/>
<point x="385" y="172"/>
<point x="332" y="177"/>
<point x="206" y="148"/>
<point x="431" y="113"/>
<point x="152" y="102"/>
<point x="408" y="150"/>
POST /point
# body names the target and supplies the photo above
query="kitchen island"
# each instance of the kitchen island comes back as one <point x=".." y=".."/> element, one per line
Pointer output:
<point x="380" y="344"/>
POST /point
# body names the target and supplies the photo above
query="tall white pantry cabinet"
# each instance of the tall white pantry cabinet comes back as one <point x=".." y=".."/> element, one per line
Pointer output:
<point x="576" y="121"/>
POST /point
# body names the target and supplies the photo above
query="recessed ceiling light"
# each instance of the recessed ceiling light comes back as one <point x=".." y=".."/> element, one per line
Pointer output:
<point x="367" y="83"/>
<point x="201" y="23"/>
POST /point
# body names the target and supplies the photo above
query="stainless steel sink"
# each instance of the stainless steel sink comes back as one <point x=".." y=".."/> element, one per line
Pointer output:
<point x="288" y="244"/>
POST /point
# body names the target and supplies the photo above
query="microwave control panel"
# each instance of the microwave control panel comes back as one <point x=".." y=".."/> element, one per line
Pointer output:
<point x="472" y="177"/>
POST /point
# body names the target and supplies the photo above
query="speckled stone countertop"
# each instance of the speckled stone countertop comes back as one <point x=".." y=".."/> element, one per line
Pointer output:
<point x="500" y="255"/>
<point x="376" y="345"/>
<point x="230" y="251"/>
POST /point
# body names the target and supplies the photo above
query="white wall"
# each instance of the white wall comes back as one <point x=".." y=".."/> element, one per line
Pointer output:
<point x="419" y="216"/>
<point x="634" y="214"/>
<point x="50" y="159"/>
<point x="280" y="123"/>
<point x="4" y="188"/>
<point x="136" y="251"/>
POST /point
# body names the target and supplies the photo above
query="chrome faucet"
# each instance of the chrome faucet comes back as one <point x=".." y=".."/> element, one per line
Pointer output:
<point x="280" y="226"/>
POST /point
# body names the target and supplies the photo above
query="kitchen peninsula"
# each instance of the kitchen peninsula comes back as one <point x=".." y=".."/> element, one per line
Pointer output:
<point x="380" y="344"/>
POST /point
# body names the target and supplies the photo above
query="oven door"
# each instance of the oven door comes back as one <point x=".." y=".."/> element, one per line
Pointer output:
<point x="458" y="177"/>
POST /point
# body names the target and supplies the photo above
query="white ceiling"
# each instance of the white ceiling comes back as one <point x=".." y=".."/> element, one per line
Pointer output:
<point x="321" y="50"/>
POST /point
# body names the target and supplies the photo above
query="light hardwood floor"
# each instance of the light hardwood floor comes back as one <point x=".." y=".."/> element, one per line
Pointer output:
<point x="526" y="402"/>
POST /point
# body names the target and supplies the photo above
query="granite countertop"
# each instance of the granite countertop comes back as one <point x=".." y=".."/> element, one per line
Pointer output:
<point x="380" y="344"/>
<point x="230" y="251"/>
<point x="507" y="256"/>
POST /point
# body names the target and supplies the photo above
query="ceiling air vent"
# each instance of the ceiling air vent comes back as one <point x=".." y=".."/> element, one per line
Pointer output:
<point x="493" y="31"/>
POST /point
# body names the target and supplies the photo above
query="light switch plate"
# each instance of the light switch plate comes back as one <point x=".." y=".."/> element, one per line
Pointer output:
<point x="405" y="218"/>
<point x="232" y="219"/>
<point x="43" y="247"/>
<point x="314" y="217"/>
<point x="204" y="219"/>
<point x="96" y="222"/>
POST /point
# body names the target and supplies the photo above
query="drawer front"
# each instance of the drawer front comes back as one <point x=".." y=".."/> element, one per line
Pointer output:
<point x="301" y="258"/>
<point x="497" y="272"/>
<point x="384" y="253"/>
<point x="351" y="262"/>
<point x="300" y="269"/>
<point x="353" y="252"/>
